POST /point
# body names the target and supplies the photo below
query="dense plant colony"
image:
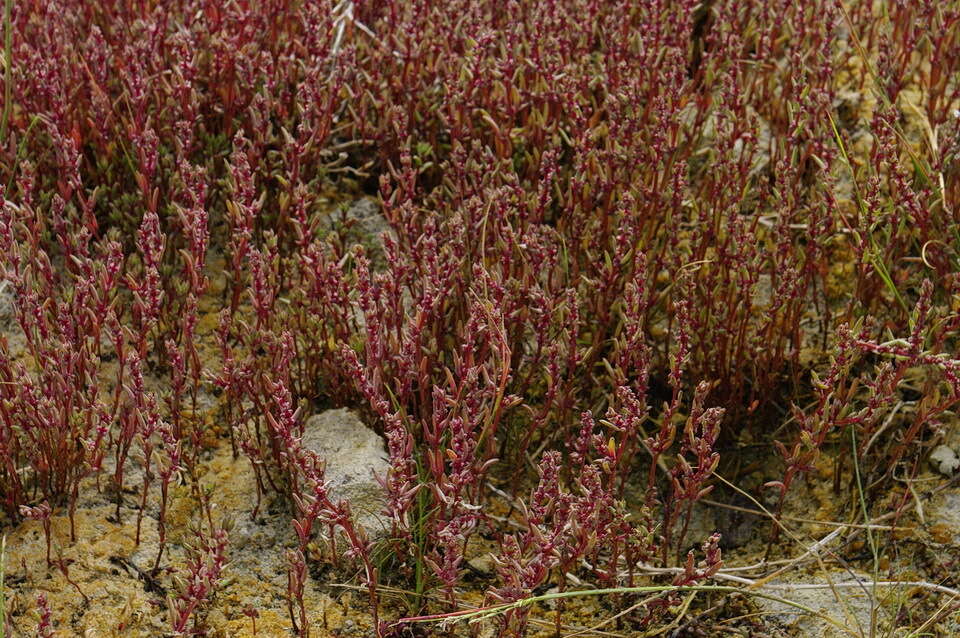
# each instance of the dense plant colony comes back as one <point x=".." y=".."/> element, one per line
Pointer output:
<point x="626" y="240"/>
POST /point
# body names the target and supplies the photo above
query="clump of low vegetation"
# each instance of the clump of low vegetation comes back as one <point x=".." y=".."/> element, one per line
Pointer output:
<point x="631" y="248"/>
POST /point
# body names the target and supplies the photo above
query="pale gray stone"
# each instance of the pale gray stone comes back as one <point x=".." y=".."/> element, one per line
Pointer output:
<point x="369" y="216"/>
<point x="847" y="606"/>
<point x="7" y="314"/>
<point x="355" y="455"/>
<point x="944" y="460"/>
<point x="943" y="512"/>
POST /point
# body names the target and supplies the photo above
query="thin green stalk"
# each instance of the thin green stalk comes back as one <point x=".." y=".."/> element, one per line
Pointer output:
<point x="881" y="94"/>
<point x="874" y="253"/>
<point x="20" y="148"/>
<point x="423" y="512"/>
<point x="7" y="73"/>
<point x="482" y="613"/>
<point x="870" y="539"/>
<point x="420" y="538"/>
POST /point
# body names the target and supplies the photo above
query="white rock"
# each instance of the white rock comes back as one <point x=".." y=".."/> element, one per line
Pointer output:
<point x="848" y="607"/>
<point x="943" y="512"/>
<point x="366" y="216"/>
<point x="355" y="455"/>
<point x="7" y="314"/>
<point x="369" y="216"/>
<point x="944" y="460"/>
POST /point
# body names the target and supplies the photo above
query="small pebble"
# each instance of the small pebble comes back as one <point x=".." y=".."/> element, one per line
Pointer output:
<point x="944" y="460"/>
